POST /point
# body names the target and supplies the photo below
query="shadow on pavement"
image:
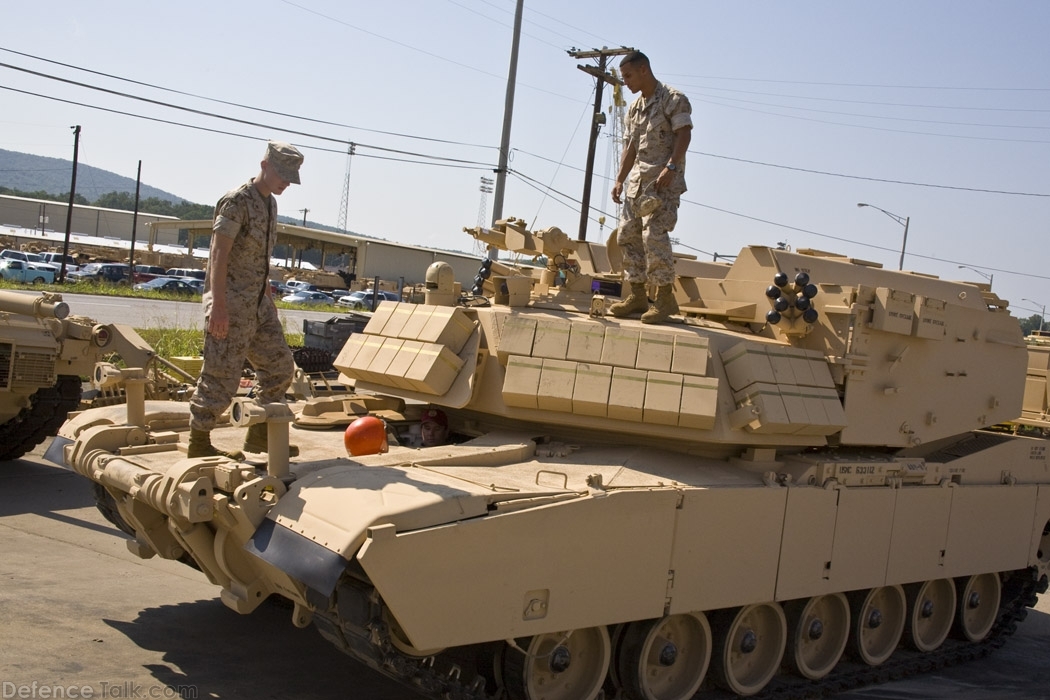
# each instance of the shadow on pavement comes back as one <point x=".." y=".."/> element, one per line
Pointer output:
<point x="261" y="655"/>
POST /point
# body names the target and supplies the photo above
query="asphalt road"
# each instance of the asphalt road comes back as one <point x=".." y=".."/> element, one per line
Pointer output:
<point x="77" y="609"/>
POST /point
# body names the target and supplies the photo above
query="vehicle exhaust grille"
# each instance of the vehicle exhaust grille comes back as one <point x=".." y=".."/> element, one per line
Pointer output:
<point x="33" y="369"/>
<point x="976" y="443"/>
<point x="5" y="365"/>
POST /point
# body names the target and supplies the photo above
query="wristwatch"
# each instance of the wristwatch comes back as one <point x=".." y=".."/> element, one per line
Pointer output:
<point x="672" y="167"/>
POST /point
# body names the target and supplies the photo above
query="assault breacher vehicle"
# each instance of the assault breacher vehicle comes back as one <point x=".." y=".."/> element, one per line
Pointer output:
<point x="795" y="488"/>
<point x="44" y="352"/>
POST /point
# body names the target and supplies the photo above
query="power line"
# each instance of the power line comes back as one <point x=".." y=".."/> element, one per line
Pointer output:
<point x="872" y="179"/>
<point x="412" y="47"/>
<point x="535" y="184"/>
<point x="464" y="164"/>
<point x="863" y="102"/>
<point x="861" y="243"/>
<point x="230" y="119"/>
<point x="878" y="116"/>
<point x="874" y="128"/>
<point x="502" y="24"/>
<point x="235" y="104"/>
<point x="864" y="85"/>
<point x="825" y="173"/>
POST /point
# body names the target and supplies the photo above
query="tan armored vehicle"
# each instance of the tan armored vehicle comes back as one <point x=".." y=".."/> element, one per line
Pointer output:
<point x="44" y="356"/>
<point x="794" y="489"/>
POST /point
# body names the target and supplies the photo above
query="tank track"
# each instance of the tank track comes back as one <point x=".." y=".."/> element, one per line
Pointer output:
<point x="41" y="419"/>
<point x="107" y="506"/>
<point x="352" y="620"/>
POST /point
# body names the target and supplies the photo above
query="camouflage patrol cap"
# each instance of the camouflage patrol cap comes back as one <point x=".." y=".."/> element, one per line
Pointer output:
<point x="286" y="159"/>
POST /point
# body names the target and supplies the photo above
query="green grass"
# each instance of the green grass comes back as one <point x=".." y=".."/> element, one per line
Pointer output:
<point x="167" y="342"/>
<point x="120" y="290"/>
<point x="183" y="342"/>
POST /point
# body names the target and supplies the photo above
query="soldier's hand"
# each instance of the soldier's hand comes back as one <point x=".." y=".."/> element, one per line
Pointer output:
<point x="665" y="178"/>
<point x="617" y="190"/>
<point x="219" y="323"/>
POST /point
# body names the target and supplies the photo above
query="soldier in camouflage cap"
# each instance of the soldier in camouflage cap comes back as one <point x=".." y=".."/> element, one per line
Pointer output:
<point x="658" y="130"/>
<point x="239" y="314"/>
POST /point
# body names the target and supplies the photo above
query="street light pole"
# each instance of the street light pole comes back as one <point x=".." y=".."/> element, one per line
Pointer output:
<point x="985" y="275"/>
<point x="1042" y="313"/>
<point x="902" y="220"/>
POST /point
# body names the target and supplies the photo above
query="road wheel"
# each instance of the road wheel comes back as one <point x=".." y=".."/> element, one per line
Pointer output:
<point x="878" y="617"/>
<point x="819" y="629"/>
<point x="557" y="665"/>
<point x="978" y="605"/>
<point x="664" y="659"/>
<point x="931" y="611"/>
<point x="39" y="280"/>
<point x="749" y="646"/>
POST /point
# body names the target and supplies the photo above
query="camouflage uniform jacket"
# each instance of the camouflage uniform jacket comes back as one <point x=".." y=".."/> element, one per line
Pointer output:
<point x="650" y="126"/>
<point x="251" y="220"/>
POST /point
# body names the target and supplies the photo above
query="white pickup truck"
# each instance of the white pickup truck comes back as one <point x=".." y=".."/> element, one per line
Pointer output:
<point x="55" y="259"/>
<point x="18" y="271"/>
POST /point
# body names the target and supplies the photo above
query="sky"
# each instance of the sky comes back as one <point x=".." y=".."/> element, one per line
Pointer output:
<point x="933" y="111"/>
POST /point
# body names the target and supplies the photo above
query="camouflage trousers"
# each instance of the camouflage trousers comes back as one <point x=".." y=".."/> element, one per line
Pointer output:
<point x="646" y="247"/>
<point x="257" y="337"/>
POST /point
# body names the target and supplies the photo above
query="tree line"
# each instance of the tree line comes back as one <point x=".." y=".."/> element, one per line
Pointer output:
<point x="124" y="201"/>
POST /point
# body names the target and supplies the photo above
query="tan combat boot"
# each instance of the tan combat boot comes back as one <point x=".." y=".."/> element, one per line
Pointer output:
<point x="257" y="441"/>
<point x="200" y="446"/>
<point x="636" y="303"/>
<point x="664" y="307"/>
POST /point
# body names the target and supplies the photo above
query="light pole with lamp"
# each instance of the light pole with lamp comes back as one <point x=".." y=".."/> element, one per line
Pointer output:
<point x="1042" y="313"/>
<point x="982" y="274"/>
<point x="902" y="220"/>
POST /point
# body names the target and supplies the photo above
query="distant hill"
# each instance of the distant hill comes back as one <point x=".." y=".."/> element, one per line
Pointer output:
<point x="25" y="172"/>
<point x="29" y="173"/>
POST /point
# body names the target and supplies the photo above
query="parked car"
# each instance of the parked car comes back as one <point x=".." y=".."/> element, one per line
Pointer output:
<point x="186" y="272"/>
<point x="34" y="258"/>
<point x="307" y="298"/>
<point x="145" y="273"/>
<point x="56" y="260"/>
<point x="18" y="271"/>
<point x="297" y="286"/>
<point x="100" y="272"/>
<point x="38" y="260"/>
<point x="167" y="284"/>
<point x="362" y="299"/>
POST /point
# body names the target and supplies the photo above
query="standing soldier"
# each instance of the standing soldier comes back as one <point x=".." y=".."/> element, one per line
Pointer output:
<point x="239" y="314"/>
<point x="658" y="129"/>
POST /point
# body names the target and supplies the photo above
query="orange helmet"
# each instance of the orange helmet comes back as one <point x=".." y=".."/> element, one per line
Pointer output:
<point x="365" y="436"/>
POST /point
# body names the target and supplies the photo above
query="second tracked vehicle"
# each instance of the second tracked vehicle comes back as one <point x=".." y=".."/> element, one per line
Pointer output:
<point x="795" y="487"/>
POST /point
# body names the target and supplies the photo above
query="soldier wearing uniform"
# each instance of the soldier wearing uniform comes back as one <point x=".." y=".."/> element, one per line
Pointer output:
<point x="240" y="317"/>
<point x="658" y="130"/>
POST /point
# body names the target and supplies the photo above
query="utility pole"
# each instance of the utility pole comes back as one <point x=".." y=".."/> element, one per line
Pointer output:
<point x="72" y="194"/>
<point x="597" y="118"/>
<point x="508" y="113"/>
<point x="304" y="216"/>
<point x="134" y="225"/>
